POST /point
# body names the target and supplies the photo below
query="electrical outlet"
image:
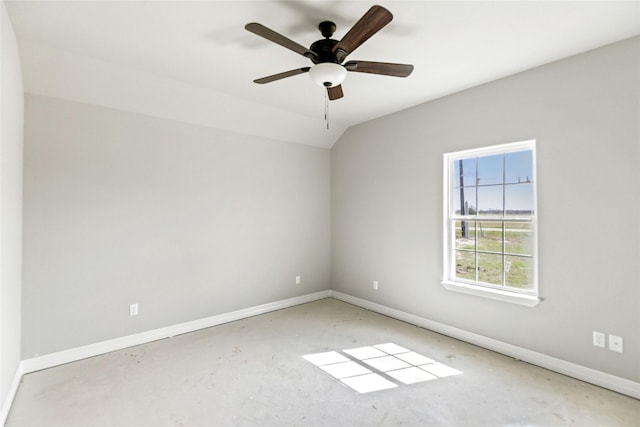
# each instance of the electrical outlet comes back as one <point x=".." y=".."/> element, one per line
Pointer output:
<point x="298" y="280"/>
<point x="133" y="310"/>
<point x="375" y="285"/>
<point x="615" y="343"/>
<point x="598" y="339"/>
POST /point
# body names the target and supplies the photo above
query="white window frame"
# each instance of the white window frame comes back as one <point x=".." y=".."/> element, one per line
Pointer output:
<point x="523" y="297"/>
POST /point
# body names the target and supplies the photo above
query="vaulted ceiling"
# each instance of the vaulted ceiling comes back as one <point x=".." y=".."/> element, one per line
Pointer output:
<point x="194" y="61"/>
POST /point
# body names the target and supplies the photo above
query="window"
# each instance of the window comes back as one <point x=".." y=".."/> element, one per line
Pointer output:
<point x="490" y="238"/>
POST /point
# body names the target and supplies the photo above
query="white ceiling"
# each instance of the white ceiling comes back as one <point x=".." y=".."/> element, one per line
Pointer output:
<point x="194" y="62"/>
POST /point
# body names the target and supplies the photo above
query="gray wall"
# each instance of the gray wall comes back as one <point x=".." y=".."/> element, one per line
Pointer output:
<point x="584" y="112"/>
<point x="11" y="125"/>
<point x="187" y="221"/>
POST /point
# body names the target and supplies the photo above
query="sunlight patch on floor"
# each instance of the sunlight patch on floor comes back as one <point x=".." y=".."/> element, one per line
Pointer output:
<point x="373" y="368"/>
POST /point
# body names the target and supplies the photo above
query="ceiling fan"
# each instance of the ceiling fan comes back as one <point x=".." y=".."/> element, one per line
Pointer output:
<point x="328" y="54"/>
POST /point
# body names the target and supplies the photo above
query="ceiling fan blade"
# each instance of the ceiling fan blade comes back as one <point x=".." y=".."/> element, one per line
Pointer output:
<point x="335" y="92"/>
<point x="384" y="68"/>
<point x="271" y="35"/>
<point x="283" y="75"/>
<point x="370" y="23"/>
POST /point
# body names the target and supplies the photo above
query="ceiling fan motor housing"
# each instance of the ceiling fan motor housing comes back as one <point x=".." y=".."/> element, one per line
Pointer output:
<point x="324" y="49"/>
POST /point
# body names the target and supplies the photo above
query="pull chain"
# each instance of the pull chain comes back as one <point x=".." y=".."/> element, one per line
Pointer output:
<point x="326" y="108"/>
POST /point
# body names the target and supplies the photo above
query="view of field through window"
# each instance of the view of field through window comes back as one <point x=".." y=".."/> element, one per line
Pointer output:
<point x="493" y="211"/>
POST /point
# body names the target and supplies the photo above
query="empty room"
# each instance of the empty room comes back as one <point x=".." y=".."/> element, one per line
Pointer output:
<point x="319" y="213"/>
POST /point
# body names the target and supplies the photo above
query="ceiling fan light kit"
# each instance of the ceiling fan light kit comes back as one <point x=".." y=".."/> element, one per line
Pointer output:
<point x="328" y="54"/>
<point x="328" y="74"/>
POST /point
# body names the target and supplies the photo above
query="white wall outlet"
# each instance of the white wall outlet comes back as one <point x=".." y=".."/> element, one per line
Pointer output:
<point x="298" y="280"/>
<point x="615" y="343"/>
<point x="598" y="339"/>
<point x="375" y="285"/>
<point x="133" y="310"/>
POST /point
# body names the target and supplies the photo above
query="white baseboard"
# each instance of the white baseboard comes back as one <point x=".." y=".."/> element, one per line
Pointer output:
<point x="602" y="379"/>
<point x="11" y="394"/>
<point x="78" y="353"/>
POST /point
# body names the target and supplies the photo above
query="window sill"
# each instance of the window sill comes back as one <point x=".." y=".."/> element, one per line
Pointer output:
<point x="495" y="294"/>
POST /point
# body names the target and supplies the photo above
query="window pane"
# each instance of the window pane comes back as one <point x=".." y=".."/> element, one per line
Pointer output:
<point x="465" y="235"/>
<point x="468" y="172"/>
<point x="519" y="272"/>
<point x="489" y="234"/>
<point x="490" y="169"/>
<point x="519" y="199"/>
<point x="519" y="166"/>
<point x="490" y="201"/>
<point x="465" y="265"/>
<point x="490" y="268"/>
<point x="469" y="196"/>
<point x="519" y="238"/>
